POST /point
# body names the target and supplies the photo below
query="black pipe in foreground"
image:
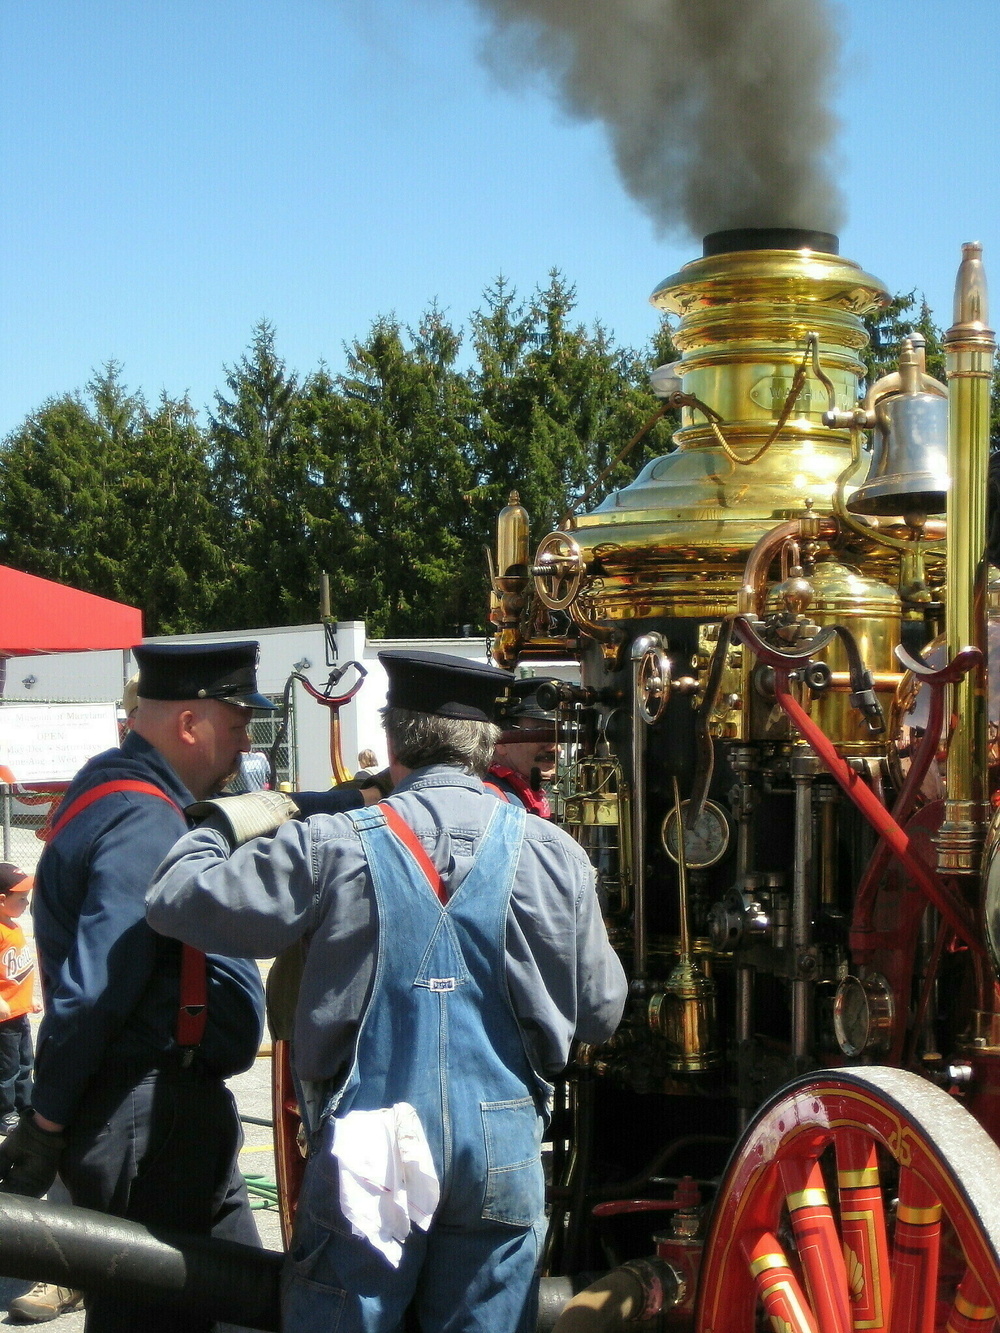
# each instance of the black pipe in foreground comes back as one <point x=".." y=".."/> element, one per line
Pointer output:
<point x="74" y="1247"/>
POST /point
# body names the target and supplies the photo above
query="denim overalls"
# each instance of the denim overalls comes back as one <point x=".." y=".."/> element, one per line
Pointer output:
<point x="438" y="1031"/>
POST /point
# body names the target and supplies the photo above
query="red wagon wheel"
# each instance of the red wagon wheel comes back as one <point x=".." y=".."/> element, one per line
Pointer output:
<point x="289" y="1161"/>
<point x="858" y="1199"/>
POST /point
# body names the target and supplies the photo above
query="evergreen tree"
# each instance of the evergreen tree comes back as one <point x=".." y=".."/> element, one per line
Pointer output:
<point x="61" y="510"/>
<point x="261" y="485"/>
<point x="106" y="496"/>
<point x="394" y="433"/>
<point x="889" y="326"/>
<point x="174" y="561"/>
<point x="556" y="404"/>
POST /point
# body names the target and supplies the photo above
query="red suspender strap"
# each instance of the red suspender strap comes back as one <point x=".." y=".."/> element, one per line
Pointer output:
<point x="497" y="791"/>
<point x="105" y="789"/>
<point x="192" y="1011"/>
<point x="414" y="846"/>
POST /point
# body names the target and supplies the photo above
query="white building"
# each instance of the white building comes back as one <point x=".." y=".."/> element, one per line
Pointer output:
<point x="99" y="677"/>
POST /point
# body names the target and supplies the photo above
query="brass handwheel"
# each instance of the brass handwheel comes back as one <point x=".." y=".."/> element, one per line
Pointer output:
<point x="558" y="571"/>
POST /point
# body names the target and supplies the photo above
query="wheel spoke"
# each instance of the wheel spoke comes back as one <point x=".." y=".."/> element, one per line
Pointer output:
<point x="863" y="1230"/>
<point x="778" y="1247"/>
<point x="916" y="1253"/>
<point x="972" y="1311"/>
<point x="777" y="1286"/>
<point x="817" y="1243"/>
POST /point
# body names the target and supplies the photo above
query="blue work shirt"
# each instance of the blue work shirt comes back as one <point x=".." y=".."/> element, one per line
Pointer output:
<point x="311" y="881"/>
<point x="111" y="984"/>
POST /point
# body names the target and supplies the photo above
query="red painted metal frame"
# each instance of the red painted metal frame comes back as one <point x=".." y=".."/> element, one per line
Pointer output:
<point x="335" y="702"/>
<point x="906" y="802"/>
<point x="847" y="1262"/>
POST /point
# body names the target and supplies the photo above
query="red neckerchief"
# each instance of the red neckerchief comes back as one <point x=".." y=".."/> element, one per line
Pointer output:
<point x="535" y="802"/>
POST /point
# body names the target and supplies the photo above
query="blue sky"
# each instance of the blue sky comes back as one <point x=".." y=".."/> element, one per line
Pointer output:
<point x="175" y="170"/>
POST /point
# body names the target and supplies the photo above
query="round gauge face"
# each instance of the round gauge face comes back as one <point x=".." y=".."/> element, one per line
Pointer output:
<point x="704" y="844"/>
<point x="852" y="1016"/>
<point x="863" y="1011"/>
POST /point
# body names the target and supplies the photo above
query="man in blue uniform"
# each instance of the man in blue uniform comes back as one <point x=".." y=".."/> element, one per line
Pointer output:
<point x="455" y="949"/>
<point x="129" y="1101"/>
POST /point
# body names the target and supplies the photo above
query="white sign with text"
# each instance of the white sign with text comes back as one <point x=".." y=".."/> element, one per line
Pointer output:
<point x="52" y="742"/>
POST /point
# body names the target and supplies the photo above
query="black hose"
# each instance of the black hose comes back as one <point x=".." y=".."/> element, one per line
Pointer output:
<point x="92" y="1252"/>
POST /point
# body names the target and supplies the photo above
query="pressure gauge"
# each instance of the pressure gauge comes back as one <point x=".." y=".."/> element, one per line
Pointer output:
<point x="704" y="844"/>
<point x="862" y="1015"/>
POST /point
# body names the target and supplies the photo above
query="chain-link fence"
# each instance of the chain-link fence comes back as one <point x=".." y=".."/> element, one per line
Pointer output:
<point x="20" y="827"/>
<point x="265" y="729"/>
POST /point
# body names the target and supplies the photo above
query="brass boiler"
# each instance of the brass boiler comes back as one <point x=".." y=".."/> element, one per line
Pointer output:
<point x="675" y="541"/>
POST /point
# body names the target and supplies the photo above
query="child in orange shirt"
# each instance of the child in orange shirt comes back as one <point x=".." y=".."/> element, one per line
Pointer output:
<point x="17" y="980"/>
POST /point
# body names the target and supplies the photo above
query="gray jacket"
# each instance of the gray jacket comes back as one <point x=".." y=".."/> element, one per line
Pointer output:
<point x="310" y="881"/>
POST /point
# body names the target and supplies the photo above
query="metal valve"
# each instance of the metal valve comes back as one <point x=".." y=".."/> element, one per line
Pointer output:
<point x="653" y="684"/>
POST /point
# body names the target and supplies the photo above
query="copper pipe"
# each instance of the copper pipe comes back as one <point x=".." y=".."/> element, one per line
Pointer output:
<point x="750" y="600"/>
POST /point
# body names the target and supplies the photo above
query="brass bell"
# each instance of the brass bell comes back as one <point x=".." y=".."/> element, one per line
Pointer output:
<point x="909" y="467"/>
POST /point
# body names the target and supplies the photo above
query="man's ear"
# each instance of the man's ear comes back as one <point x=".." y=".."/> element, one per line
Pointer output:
<point x="186" y="723"/>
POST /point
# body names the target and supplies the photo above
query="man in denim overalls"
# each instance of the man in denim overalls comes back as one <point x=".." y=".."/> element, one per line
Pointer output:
<point x="455" y="949"/>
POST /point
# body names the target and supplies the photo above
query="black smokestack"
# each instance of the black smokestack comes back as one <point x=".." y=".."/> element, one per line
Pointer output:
<point x="716" y="109"/>
<point x="770" y="238"/>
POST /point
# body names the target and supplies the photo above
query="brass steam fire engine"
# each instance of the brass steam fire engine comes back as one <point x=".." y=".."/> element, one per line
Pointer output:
<point x="778" y="759"/>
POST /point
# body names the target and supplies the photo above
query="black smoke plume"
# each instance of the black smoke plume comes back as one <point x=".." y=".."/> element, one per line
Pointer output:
<point x="716" y="110"/>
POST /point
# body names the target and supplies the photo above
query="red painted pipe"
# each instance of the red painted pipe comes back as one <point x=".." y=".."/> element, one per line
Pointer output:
<point x="875" y="812"/>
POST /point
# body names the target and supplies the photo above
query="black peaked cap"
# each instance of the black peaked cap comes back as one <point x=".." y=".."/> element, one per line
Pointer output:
<point x="225" y="671"/>
<point x="443" y="685"/>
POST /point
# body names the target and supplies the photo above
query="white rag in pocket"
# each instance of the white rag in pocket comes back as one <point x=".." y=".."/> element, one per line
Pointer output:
<point x="387" y="1175"/>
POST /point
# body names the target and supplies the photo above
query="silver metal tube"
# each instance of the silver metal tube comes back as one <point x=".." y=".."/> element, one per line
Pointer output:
<point x="744" y="1024"/>
<point x="744" y="1003"/>
<point x="640" y="937"/>
<point x="742" y="761"/>
<point x="803" y="772"/>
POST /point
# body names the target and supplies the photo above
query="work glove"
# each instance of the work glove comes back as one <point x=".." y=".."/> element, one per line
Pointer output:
<point x="29" y="1158"/>
<point x="254" y="814"/>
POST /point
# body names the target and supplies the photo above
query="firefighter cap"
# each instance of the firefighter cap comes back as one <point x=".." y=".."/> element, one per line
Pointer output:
<point x="443" y="685"/>
<point x="224" y="671"/>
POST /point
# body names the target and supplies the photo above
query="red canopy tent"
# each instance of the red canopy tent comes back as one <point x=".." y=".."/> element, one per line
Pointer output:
<point x="39" y="616"/>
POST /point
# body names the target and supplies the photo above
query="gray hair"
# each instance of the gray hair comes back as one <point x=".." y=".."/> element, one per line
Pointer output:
<point x="420" y="739"/>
